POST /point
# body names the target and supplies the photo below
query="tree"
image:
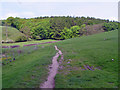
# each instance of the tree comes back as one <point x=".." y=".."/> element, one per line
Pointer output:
<point x="66" y="33"/>
<point x="90" y="22"/>
<point x="41" y="29"/>
<point x="3" y="22"/>
<point x="82" y="29"/>
<point x="110" y="26"/>
<point x="10" y="21"/>
<point x="75" y="31"/>
<point x="26" y="31"/>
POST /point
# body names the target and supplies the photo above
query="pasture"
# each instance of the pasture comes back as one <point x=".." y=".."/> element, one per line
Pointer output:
<point x="28" y="69"/>
<point x="99" y="52"/>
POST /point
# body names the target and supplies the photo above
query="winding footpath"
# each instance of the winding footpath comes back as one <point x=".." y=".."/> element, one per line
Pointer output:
<point x="50" y="83"/>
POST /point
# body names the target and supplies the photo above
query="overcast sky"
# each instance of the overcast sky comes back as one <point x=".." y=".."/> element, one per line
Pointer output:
<point x="18" y="8"/>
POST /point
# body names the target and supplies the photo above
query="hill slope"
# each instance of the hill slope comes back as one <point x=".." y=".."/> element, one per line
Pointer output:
<point x="99" y="51"/>
<point x="12" y="34"/>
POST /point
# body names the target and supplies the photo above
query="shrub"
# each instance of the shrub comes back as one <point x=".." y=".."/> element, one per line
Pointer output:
<point x="75" y="31"/>
<point x="90" y="22"/>
<point x="92" y="29"/>
<point x="110" y="26"/>
<point x="38" y="38"/>
<point x="33" y="36"/>
<point x="29" y="39"/>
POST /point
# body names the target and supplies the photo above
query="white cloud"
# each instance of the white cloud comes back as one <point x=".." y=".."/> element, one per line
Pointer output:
<point x="28" y="10"/>
<point x="113" y="18"/>
<point x="22" y="15"/>
<point x="9" y="15"/>
<point x="12" y="14"/>
<point x="27" y="14"/>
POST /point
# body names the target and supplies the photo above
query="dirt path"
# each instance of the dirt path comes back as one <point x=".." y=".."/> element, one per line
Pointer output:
<point x="50" y="83"/>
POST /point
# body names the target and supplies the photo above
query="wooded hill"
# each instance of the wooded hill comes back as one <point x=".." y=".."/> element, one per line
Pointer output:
<point x="59" y="27"/>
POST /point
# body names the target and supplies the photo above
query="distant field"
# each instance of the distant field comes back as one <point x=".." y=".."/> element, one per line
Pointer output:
<point x="28" y="42"/>
<point x="13" y="33"/>
<point x="99" y="50"/>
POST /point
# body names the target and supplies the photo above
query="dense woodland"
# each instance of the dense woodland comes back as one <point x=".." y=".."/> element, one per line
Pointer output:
<point x="58" y="27"/>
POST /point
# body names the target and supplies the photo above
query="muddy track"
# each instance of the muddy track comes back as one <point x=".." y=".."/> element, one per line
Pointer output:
<point x="50" y="83"/>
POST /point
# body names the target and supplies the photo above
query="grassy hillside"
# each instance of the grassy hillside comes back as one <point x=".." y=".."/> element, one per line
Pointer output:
<point x="12" y="33"/>
<point x="100" y="50"/>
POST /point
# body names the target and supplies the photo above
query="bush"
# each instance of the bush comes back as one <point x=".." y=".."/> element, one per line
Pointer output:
<point x="33" y="36"/>
<point x="110" y="26"/>
<point x="29" y="39"/>
<point x="75" y="31"/>
<point x="21" y="39"/>
<point x="90" y="22"/>
<point x="38" y="38"/>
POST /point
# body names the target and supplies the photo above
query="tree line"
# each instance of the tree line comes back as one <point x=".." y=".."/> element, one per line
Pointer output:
<point x="56" y="27"/>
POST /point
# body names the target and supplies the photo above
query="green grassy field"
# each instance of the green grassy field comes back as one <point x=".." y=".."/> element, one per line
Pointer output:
<point x="28" y="42"/>
<point x="93" y="51"/>
<point x="30" y="70"/>
<point x="13" y="33"/>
